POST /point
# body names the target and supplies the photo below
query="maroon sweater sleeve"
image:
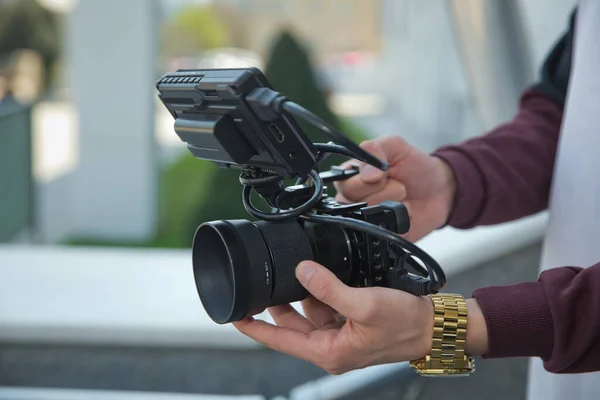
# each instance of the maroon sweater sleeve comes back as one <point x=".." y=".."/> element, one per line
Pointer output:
<point x="506" y="174"/>
<point x="556" y="318"/>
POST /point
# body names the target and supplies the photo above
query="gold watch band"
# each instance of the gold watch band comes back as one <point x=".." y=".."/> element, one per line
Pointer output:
<point x="448" y="355"/>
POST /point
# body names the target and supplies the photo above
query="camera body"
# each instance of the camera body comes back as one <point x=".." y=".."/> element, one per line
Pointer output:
<point x="233" y="118"/>
<point x="371" y="260"/>
<point x="266" y="267"/>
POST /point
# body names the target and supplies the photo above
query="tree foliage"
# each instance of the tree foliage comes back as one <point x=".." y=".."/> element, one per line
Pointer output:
<point x="25" y="24"/>
<point x="290" y="71"/>
<point x="193" y="29"/>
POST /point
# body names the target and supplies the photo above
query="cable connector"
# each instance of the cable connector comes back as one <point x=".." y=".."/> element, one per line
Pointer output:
<point x="266" y="103"/>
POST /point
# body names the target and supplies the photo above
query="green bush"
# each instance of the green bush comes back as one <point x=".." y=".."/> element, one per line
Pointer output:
<point x="184" y="185"/>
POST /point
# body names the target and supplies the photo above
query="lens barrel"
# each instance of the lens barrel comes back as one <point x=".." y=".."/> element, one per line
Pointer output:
<point x="232" y="269"/>
<point x="243" y="267"/>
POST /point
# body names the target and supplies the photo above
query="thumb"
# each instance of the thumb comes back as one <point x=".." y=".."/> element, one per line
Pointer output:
<point x="326" y="287"/>
<point x="369" y="173"/>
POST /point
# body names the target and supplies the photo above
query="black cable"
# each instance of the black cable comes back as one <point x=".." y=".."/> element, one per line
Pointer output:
<point x="289" y="214"/>
<point x="321" y="157"/>
<point x="410" y="261"/>
<point x="269" y="104"/>
<point x="338" y="137"/>
<point x="335" y="149"/>
<point x="263" y="180"/>
<point x="436" y="274"/>
<point x="325" y="151"/>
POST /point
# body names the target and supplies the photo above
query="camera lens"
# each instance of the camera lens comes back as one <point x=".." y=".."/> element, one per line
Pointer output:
<point x="232" y="269"/>
<point x="241" y="267"/>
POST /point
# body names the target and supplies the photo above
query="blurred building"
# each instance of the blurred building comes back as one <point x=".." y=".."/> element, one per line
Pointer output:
<point x="327" y="27"/>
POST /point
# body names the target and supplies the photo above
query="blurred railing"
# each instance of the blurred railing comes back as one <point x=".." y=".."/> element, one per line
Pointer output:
<point x="16" y="175"/>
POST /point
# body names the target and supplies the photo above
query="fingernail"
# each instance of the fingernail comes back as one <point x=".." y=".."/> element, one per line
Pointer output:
<point x="305" y="271"/>
<point x="369" y="172"/>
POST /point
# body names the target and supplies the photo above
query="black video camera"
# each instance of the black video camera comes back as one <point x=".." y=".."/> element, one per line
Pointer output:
<point x="233" y="118"/>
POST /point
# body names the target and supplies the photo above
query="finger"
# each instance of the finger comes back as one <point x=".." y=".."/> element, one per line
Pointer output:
<point x="350" y="164"/>
<point x="369" y="180"/>
<point x="286" y="316"/>
<point x="335" y="325"/>
<point x="356" y="189"/>
<point x="327" y="288"/>
<point x="393" y="148"/>
<point x="394" y="190"/>
<point x="369" y="173"/>
<point x="318" y="313"/>
<point x="284" y="340"/>
<point x="340" y="198"/>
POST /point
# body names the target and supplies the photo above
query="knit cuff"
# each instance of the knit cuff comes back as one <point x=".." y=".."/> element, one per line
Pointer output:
<point x="518" y="319"/>
<point x="470" y="187"/>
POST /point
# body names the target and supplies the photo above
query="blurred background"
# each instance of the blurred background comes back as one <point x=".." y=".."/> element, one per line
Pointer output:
<point x="89" y="158"/>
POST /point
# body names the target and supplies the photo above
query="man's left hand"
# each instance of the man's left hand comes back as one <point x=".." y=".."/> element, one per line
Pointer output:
<point x="381" y="325"/>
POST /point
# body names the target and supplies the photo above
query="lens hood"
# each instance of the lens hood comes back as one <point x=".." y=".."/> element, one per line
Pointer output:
<point x="232" y="269"/>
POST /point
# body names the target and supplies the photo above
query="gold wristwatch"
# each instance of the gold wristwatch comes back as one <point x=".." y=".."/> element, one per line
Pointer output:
<point x="447" y="356"/>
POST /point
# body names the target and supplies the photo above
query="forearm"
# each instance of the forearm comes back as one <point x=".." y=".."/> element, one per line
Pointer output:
<point x="507" y="173"/>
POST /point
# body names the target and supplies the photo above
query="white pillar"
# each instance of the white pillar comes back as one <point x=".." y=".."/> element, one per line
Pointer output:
<point x="111" y="61"/>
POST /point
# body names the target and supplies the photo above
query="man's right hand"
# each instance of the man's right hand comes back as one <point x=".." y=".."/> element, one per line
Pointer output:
<point x="424" y="183"/>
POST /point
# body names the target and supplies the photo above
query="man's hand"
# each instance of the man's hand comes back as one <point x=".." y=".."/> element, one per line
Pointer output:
<point x="380" y="326"/>
<point x="424" y="183"/>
